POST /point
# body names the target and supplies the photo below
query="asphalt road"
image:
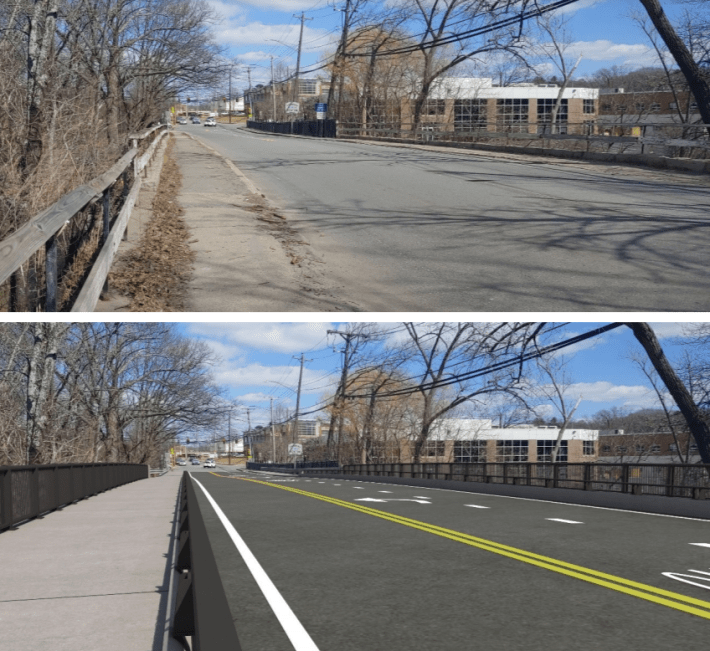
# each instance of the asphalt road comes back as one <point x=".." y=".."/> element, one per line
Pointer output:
<point x="377" y="567"/>
<point x="420" y="229"/>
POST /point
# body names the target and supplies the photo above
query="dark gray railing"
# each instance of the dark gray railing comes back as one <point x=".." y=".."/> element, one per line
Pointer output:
<point x="202" y="611"/>
<point x="315" y="128"/>
<point x="300" y="465"/>
<point x="670" y="480"/>
<point x="27" y="492"/>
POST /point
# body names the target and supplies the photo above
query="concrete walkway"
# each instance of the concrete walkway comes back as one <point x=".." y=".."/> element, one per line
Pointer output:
<point x="94" y="576"/>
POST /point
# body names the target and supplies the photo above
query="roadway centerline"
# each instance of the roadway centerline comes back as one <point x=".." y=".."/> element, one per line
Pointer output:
<point x="676" y="601"/>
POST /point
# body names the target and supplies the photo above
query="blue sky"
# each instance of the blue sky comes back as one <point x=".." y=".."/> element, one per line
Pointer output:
<point x="253" y="30"/>
<point x="260" y="361"/>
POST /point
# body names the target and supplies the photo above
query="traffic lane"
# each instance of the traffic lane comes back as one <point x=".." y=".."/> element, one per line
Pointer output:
<point x="636" y="546"/>
<point x="594" y="243"/>
<point x="356" y="581"/>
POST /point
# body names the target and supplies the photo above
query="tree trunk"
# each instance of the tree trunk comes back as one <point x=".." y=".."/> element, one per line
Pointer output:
<point x="690" y="69"/>
<point x="693" y="417"/>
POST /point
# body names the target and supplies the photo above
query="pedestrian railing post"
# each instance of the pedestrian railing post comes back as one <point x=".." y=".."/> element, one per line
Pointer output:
<point x="51" y="274"/>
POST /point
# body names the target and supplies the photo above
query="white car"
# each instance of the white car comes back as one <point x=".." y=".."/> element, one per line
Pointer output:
<point x="210" y="463"/>
<point x="210" y="122"/>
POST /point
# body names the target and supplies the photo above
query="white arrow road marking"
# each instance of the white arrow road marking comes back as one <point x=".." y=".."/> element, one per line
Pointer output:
<point x="676" y="575"/>
<point x="374" y="499"/>
<point x="561" y="520"/>
<point x="476" y="506"/>
<point x="700" y="544"/>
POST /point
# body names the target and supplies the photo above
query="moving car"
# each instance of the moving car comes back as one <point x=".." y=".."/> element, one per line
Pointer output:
<point x="181" y="462"/>
<point x="210" y="122"/>
<point x="181" y="121"/>
<point x="210" y="463"/>
<point x="195" y="462"/>
<point x="195" y="120"/>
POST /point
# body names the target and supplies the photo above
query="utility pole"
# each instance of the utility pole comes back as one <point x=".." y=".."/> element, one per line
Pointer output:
<point x="229" y="108"/>
<point x="347" y="336"/>
<point x="298" y="405"/>
<point x="271" y="400"/>
<point x="273" y="86"/>
<point x="340" y="56"/>
<point x="251" y="107"/>
<point x="298" y="56"/>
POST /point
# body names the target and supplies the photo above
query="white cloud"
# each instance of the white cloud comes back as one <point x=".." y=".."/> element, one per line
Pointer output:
<point x="633" y="397"/>
<point x="237" y="35"/>
<point x="272" y="337"/>
<point x="251" y="398"/>
<point x="273" y="377"/>
<point x="258" y="55"/>
<point x="629" y="54"/>
<point x="577" y="6"/>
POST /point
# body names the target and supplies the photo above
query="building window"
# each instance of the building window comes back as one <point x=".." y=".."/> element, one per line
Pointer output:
<point x="621" y="449"/>
<point x="306" y="428"/>
<point x="513" y="115"/>
<point x="606" y="107"/>
<point x="544" y="115"/>
<point x="693" y="448"/>
<point x="693" y="106"/>
<point x="470" y="114"/>
<point x="655" y="107"/>
<point x="640" y="449"/>
<point x="544" y="450"/>
<point x="511" y="450"/>
<point x="673" y="105"/>
<point x="307" y="86"/>
<point x="435" y="107"/>
<point x="640" y="106"/>
<point x="673" y="447"/>
<point x="655" y="449"/>
<point x="606" y="448"/>
<point x="434" y="449"/>
<point x="470" y="451"/>
<point x="588" y="448"/>
<point x="384" y="452"/>
<point x="588" y="106"/>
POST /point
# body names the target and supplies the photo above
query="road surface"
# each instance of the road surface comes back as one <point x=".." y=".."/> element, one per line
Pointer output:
<point x="427" y="229"/>
<point x="383" y="567"/>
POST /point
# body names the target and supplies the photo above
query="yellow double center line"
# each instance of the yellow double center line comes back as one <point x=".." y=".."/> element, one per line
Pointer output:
<point x="667" y="598"/>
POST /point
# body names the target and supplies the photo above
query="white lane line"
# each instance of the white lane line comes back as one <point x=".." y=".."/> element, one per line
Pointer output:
<point x="561" y="520"/>
<point x="384" y="491"/>
<point x="297" y="634"/>
<point x="422" y="497"/>
<point x="700" y="544"/>
<point x="359" y="488"/>
<point x="477" y="506"/>
<point x="336" y="484"/>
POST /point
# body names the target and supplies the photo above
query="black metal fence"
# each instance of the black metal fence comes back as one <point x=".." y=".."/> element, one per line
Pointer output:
<point x="27" y="492"/>
<point x="285" y="467"/>
<point x="315" y="128"/>
<point x="670" y="480"/>
<point x="202" y="611"/>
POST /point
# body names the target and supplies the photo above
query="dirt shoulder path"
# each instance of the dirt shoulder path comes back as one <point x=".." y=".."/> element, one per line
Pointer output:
<point x="247" y="256"/>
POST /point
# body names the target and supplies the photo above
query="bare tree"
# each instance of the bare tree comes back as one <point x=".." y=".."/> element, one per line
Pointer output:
<point x="697" y="424"/>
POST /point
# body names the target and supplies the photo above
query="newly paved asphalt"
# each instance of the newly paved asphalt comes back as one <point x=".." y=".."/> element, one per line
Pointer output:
<point x="417" y="229"/>
<point x="356" y="576"/>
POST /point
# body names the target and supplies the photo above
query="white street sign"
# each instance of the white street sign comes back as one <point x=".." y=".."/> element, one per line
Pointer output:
<point x="292" y="107"/>
<point x="295" y="449"/>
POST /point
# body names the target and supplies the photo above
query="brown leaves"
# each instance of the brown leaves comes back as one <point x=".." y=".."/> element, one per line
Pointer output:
<point x="155" y="274"/>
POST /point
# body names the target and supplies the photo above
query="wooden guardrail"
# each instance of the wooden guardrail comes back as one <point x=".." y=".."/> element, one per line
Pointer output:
<point x="44" y="228"/>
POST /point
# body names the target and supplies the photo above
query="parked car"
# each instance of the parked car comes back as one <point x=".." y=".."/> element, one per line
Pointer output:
<point x="210" y="463"/>
<point x="210" y="122"/>
<point x="195" y="462"/>
<point x="181" y="462"/>
<point x="195" y="120"/>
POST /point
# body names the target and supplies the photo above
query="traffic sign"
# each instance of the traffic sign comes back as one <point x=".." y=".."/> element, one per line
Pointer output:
<point x="321" y="110"/>
<point x="292" y="107"/>
<point x="295" y="449"/>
